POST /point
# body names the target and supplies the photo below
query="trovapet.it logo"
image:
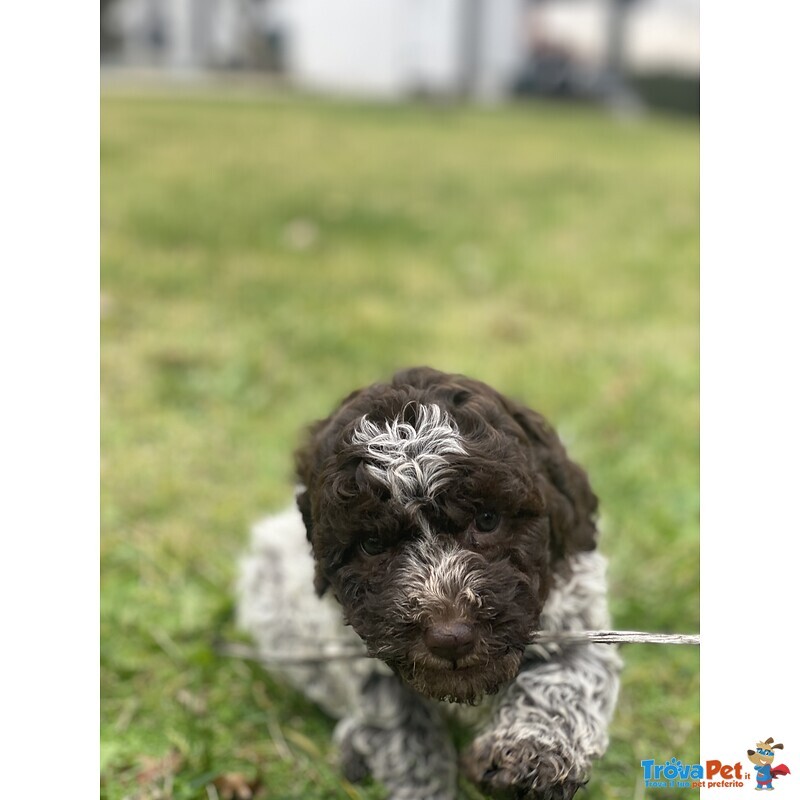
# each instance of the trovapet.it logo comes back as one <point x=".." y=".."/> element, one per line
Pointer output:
<point x="674" y="774"/>
<point x="716" y="774"/>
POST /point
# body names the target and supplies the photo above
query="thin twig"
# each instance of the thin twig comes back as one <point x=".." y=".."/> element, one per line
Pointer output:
<point x="329" y="652"/>
<point x="615" y="637"/>
<point x="276" y="734"/>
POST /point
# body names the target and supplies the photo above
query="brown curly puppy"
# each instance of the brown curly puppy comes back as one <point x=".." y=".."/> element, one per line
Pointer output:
<point x="446" y="525"/>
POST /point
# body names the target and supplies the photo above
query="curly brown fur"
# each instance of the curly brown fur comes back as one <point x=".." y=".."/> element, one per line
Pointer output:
<point x="382" y="554"/>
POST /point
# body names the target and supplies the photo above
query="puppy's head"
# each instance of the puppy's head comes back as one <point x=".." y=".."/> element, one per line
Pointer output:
<point x="436" y="509"/>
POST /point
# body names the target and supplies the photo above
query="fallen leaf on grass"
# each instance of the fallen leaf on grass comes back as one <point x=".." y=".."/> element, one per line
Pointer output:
<point x="235" y="786"/>
<point x="192" y="702"/>
<point x="304" y="743"/>
<point x="152" y="768"/>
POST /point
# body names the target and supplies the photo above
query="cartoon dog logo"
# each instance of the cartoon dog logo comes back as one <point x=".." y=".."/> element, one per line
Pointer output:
<point x="762" y="757"/>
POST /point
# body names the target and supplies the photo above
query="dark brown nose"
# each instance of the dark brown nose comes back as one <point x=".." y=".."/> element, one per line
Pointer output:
<point x="450" y="640"/>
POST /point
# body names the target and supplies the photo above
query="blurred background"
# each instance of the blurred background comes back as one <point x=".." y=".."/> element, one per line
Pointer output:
<point x="627" y="52"/>
<point x="299" y="197"/>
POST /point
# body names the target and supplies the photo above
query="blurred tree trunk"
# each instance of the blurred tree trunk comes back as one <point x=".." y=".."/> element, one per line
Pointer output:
<point x="617" y="89"/>
<point x="108" y="41"/>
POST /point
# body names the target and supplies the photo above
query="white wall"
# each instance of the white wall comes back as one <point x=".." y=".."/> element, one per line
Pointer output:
<point x="392" y="48"/>
<point x="430" y="59"/>
<point x="502" y="46"/>
<point x="345" y="46"/>
<point x="664" y="34"/>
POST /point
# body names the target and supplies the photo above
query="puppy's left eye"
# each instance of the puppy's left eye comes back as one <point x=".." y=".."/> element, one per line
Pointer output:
<point x="372" y="546"/>
<point x="487" y="521"/>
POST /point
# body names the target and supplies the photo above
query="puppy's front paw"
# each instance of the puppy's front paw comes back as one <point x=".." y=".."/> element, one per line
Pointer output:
<point x="521" y="768"/>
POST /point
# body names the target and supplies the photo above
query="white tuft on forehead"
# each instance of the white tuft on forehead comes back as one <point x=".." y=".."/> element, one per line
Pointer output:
<point x="410" y="459"/>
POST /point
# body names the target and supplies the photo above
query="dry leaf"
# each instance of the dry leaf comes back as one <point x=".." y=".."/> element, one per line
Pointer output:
<point x="235" y="786"/>
<point x="152" y="768"/>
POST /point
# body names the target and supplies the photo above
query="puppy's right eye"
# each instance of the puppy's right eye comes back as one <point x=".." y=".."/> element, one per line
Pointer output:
<point x="487" y="521"/>
<point x="372" y="546"/>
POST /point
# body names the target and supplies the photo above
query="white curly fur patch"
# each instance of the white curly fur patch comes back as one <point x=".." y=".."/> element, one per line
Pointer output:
<point x="411" y="459"/>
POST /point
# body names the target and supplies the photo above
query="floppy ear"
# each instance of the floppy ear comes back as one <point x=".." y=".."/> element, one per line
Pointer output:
<point x="304" y="505"/>
<point x="306" y="469"/>
<point x="308" y="458"/>
<point x="308" y="463"/>
<point x="571" y="503"/>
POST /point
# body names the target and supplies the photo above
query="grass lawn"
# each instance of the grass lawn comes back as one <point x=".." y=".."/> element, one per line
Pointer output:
<point x="261" y="256"/>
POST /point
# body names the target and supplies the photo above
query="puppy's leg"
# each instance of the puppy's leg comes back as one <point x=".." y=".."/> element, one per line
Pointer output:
<point x="549" y="726"/>
<point x="401" y="740"/>
<point x="551" y="722"/>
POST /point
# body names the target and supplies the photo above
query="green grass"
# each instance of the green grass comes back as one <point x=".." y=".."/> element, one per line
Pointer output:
<point x="261" y="256"/>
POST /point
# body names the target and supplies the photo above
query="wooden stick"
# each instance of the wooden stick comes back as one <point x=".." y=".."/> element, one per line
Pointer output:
<point x="337" y="651"/>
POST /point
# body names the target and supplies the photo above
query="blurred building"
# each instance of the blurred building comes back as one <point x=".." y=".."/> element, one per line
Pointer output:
<point x="396" y="48"/>
<point x="381" y="48"/>
<point x="181" y="35"/>
<point x="391" y="49"/>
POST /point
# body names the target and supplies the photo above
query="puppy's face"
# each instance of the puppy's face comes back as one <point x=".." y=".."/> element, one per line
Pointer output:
<point x="435" y="509"/>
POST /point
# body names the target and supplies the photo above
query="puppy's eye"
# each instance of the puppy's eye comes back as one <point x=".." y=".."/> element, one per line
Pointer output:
<point x="487" y="521"/>
<point x="372" y="546"/>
